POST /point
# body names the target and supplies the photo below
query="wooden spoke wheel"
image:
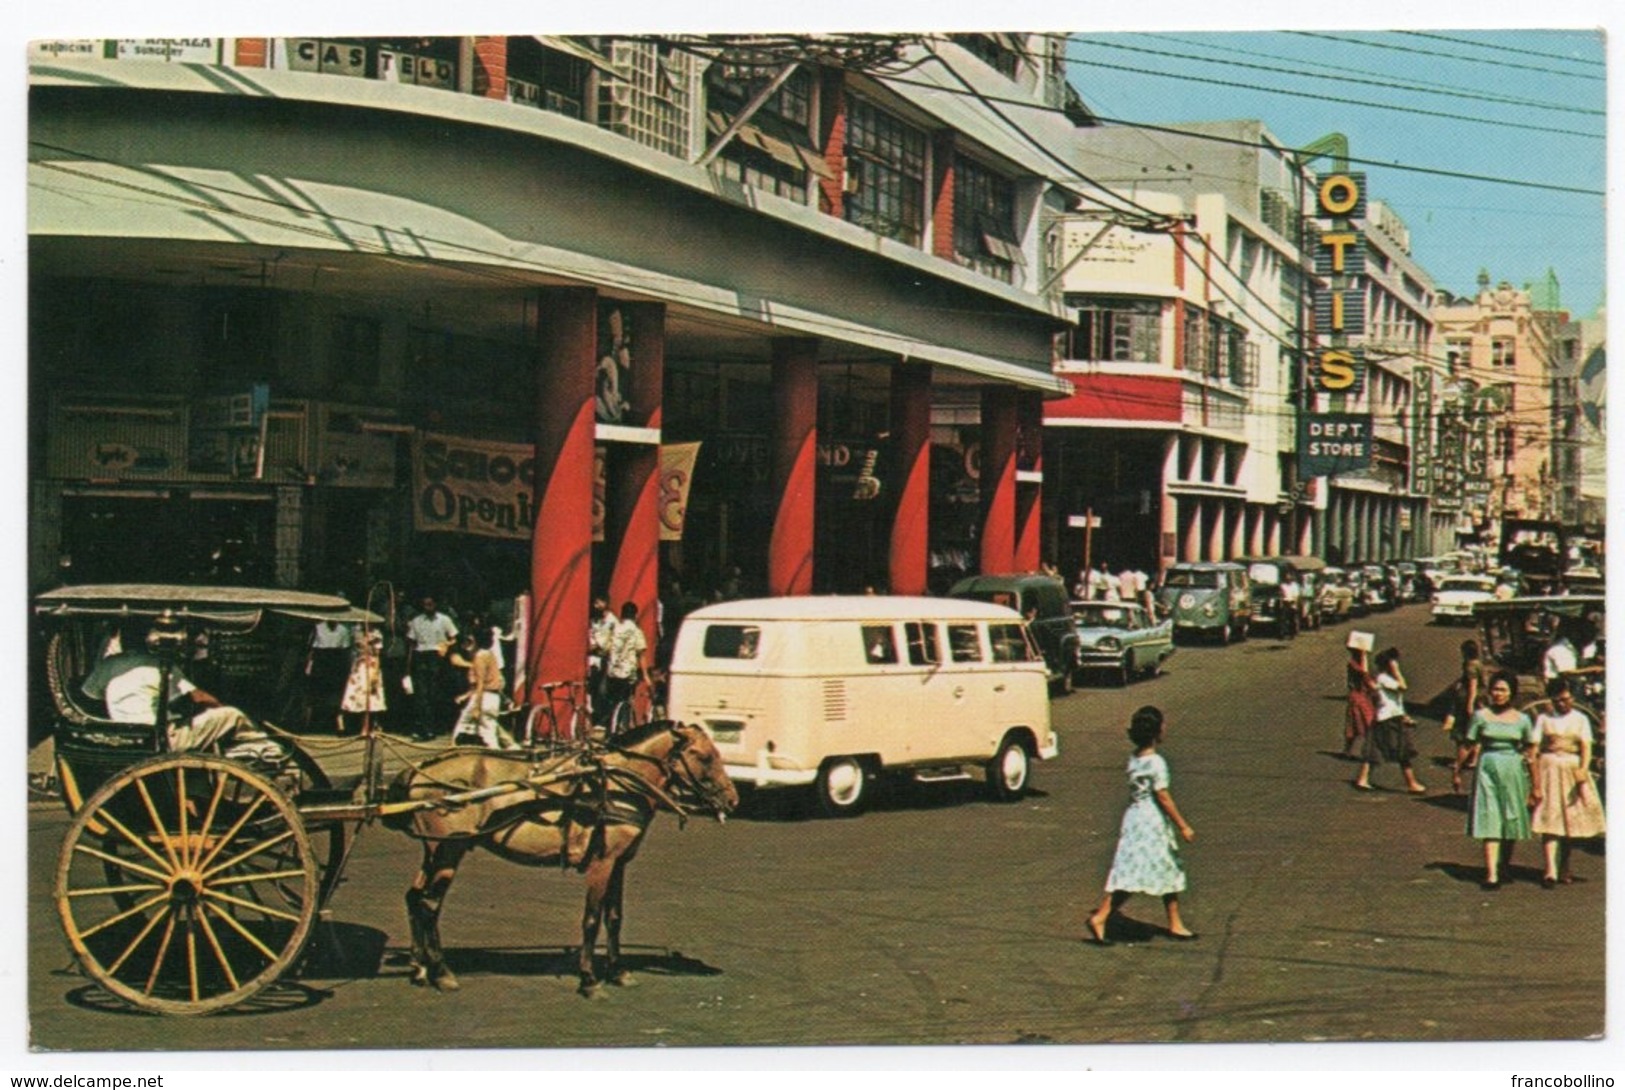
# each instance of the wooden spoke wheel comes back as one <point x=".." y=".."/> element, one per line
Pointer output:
<point x="186" y="884"/>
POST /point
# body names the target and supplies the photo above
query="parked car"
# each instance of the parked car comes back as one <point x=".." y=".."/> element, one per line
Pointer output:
<point x="1207" y="598"/>
<point x="1458" y="595"/>
<point x="1359" y="603"/>
<point x="835" y="692"/>
<point x="1270" y="578"/>
<point x="1043" y="601"/>
<point x="1336" y="597"/>
<point x="1409" y="587"/>
<point x="1122" y="638"/>
<point x="1379" y="596"/>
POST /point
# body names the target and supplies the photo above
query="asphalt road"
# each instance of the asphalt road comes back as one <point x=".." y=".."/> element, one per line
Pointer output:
<point x="939" y="917"/>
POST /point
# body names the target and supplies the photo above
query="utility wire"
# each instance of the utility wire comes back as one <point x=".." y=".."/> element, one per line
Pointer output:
<point x="1449" y="56"/>
<point x="1386" y="83"/>
<point x="1342" y="101"/>
<point x="1499" y="48"/>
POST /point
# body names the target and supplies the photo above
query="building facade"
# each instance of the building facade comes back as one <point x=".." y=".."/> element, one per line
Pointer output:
<point x="455" y="311"/>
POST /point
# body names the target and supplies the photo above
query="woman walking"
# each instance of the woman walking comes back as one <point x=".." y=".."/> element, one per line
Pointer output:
<point x="1465" y="699"/>
<point x="477" y="725"/>
<point x="1567" y="806"/>
<point x="364" y="690"/>
<point x="1362" y="708"/>
<point x="1147" y="858"/>
<point x="1502" y="743"/>
<point x="1390" y="737"/>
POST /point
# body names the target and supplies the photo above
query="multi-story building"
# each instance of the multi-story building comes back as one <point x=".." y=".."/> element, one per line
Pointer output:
<point x="1180" y="437"/>
<point x="1498" y="351"/>
<point x="448" y="310"/>
<point x="1584" y="346"/>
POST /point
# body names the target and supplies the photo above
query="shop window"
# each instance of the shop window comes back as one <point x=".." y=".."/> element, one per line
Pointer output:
<point x="879" y="645"/>
<point x="773" y="150"/>
<point x="885" y="173"/>
<point x="546" y="78"/>
<point x="1002" y="52"/>
<point x="355" y="351"/>
<point x="985" y="237"/>
<point x="239" y="339"/>
<point x="1503" y="352"/>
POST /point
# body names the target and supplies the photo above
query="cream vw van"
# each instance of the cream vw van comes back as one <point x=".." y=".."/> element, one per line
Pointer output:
<point x="832" y="692"/>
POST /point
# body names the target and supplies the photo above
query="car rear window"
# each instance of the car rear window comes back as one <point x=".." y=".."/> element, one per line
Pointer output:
<point x="731" y="641"/>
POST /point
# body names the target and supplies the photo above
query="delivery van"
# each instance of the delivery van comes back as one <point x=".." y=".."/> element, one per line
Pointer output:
<point x="835" y="692"/>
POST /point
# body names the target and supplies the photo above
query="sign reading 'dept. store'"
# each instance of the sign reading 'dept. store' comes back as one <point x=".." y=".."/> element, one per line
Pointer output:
<point x="1332" y="443"/>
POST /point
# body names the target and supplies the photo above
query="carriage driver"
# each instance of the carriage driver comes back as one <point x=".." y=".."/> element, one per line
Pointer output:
<point x="129" y="681"/>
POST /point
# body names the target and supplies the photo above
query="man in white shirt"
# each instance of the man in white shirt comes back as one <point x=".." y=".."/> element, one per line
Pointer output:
<point x="628" y="663"/>
<point x="131" y="682"/>
<point x="428" y="636"/>
<point x="1561" y="656"/>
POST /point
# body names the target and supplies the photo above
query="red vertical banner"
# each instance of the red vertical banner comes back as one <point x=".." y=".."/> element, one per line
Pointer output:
<point x="635" y="505"/>
<point x="795" y="465"/>
<point x="909" y="555"/>
<point x="998" y="482"/>
<point x="561" y="546"/>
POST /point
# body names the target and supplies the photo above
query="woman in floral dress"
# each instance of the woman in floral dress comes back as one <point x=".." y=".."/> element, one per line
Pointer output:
<point x="1568" y="806"/>
<point x="1503" y="746"/>
<point x="1147" y="859"/>
<point x="364" y="688"/>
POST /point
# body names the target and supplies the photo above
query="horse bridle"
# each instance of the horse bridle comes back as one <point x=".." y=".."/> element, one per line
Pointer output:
<point x="679" y="775"/>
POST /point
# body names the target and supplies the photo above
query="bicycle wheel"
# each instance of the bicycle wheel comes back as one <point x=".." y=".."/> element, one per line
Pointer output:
<point x="620" y="719"/>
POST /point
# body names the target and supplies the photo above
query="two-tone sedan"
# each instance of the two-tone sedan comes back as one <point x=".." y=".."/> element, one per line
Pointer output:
<point x="1454" y="601"/>
<point x="1121" y="638"/>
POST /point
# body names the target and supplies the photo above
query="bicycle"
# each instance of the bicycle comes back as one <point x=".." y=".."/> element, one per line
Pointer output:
<point x="630" y="712"/>
<point x="542" y="720"/>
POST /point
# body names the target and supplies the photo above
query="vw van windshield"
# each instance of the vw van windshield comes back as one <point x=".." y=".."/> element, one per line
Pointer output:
<point x="1267" y="574"/>
<point x="1185" y="577"/>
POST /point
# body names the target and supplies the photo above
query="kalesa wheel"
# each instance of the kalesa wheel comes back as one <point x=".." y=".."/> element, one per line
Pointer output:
<point x="186" y="884"/>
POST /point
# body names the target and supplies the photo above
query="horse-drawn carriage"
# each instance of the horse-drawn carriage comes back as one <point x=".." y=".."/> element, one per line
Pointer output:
<point x="190" y="879"/>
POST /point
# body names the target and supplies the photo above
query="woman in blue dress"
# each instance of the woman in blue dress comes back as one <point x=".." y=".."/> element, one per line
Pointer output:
<point x="1147" y="858"/>
<point x="1502" y="741"/>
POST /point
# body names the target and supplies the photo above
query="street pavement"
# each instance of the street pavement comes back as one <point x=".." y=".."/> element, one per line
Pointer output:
<point x="939" y="917"/>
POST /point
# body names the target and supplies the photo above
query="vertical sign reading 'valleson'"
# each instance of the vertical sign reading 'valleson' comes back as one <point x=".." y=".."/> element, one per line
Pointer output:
<point x="1340" y="257"/>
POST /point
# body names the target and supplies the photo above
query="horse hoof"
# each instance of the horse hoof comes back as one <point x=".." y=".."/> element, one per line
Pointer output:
<point x="588" y="989"/>
<point x="623" y="979"/>
<point x="447" y="982"/>
<point x="419" y="977"/>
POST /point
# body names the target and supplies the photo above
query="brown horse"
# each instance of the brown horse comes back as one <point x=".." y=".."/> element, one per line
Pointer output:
<point x="586" y="809"/>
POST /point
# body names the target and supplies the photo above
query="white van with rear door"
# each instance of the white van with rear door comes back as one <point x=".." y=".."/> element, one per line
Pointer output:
<point x="832" y="692"/>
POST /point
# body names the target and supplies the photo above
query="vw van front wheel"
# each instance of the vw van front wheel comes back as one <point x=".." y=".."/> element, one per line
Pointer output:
<point x="1007" y="772"/>
<point x="842" y="787"/>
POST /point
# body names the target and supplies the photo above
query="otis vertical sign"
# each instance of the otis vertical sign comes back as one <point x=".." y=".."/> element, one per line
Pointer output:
<point x="1340" y="258"/>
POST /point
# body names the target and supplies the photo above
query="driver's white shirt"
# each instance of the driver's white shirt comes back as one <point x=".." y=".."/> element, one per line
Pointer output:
<point x="132" y="696"/>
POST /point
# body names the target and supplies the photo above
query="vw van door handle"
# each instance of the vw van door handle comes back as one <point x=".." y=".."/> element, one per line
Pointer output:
<point x="998" y="688"/>
<point x="959" y="691"/>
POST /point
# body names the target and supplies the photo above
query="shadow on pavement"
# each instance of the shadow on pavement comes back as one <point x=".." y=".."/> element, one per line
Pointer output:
<point x="560" y="961"/>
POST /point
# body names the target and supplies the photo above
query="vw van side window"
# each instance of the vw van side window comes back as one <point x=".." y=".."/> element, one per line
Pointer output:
<point x="963" y="643"/>
<point x="1009" y="643"/>
<point x="879" y="645"/>
<point x="731" y="641"/>
<point x="922" y="643"/>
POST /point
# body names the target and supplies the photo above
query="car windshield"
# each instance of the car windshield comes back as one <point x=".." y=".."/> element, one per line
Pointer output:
<point x="1267" y="574"/>
<point x="1483" y="585"/>
<point x="1102" y="616"/>
<point x="1184" y="577"/>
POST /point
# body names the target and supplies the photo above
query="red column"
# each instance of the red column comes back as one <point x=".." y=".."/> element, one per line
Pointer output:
<point x="252" y="52"/>
<point x="795" y="465"/>
<point x="561" y="543"/>
<point x="491" y="67"/>
<point x="911" y="440"/>
<point x="1029" y="494"/>
<point x="832" y="190"/>
<point x="998" y="481"/>
<point x="634" y="517"/>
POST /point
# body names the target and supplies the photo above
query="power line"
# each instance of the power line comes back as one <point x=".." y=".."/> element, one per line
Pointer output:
<point x="1342" y="101"/>
<point x="1382" y="81"/>
<point x="1466" y="176"/>
<point x="1449" y="56"/>
<point x="1499" y="48"/>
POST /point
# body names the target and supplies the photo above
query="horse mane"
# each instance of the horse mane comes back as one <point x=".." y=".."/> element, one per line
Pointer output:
<point x="640" y="734"/>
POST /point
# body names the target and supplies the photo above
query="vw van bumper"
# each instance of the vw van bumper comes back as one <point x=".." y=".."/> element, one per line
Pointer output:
<point x="1052" y="750"/>
<point x="763" y="773"/>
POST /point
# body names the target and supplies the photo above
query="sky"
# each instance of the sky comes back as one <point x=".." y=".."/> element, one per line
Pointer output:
<point x="1368" y="85"/>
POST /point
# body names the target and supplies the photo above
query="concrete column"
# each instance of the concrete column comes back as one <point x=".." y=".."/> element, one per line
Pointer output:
<point x="561" y="553"/>
<point x="1238" y="528"/>
<point x="634" y="493"/>
<point x="942" y="194"/>
<point x="909" y="556"/>
<point x="1215" y="531"/>
<point x="1192" y="544"/>
<point x="1168" y="539"/>
<point x="795" y="465"/>
<point x="1273" y="539"/>
<point x="491" y="66"/>
<point x="998" y="482"/>
<point x="1029" y="494"/>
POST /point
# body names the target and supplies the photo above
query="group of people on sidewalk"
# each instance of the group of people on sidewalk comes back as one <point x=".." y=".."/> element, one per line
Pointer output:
<point x="1532" y="775"/>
